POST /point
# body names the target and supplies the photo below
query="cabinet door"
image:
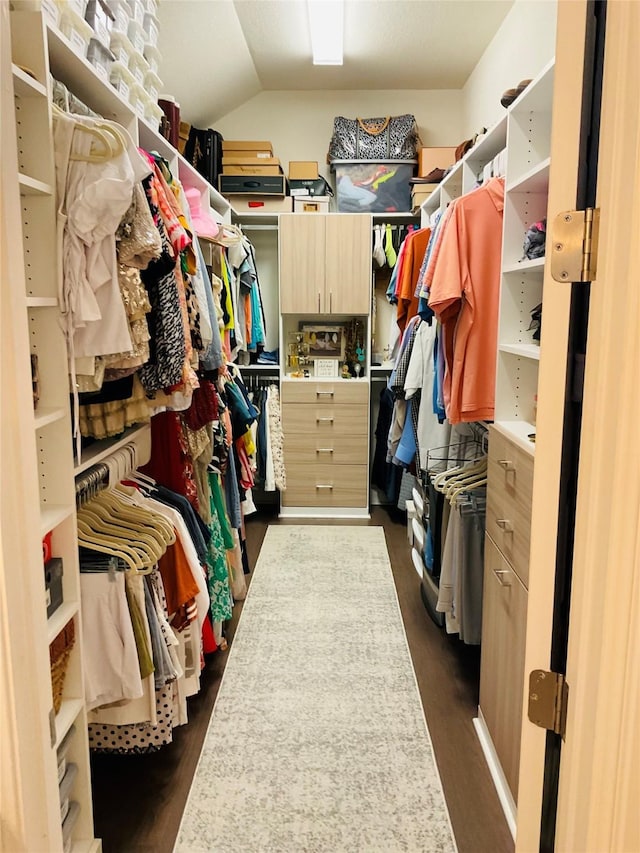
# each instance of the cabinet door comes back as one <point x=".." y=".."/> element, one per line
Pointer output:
<point x="504" y="623"/>
<point x="348" y="264"/>
<point x="302" y="259"/>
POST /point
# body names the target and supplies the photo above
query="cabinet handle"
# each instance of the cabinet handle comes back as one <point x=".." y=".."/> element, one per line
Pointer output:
<point x="324" y="393"/>
<point x="330" y="301"/>
<point x="324" y="420"/>
<point x="318" y="302"/>
<point x="499" y="574"/>
<point x="507" y="464"/>
<point x="323" y="486"/>
<point x="324" y="450"/>
<point x="505" y="524"/>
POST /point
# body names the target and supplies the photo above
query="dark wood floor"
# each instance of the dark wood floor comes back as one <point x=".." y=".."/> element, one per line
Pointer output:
<point x="139" y="800"/>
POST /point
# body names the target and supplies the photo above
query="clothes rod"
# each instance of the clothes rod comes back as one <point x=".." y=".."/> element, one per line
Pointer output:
<point x="248" y="227"/>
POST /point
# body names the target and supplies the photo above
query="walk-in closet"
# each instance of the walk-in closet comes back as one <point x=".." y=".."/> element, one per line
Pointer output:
<point x="319" y="517"/>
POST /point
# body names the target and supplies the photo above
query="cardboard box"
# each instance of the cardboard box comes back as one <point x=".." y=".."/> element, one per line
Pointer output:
<point x="247" y="145"/>
<point x="251" y="170"/>
<point x="421" y="192"/>
<point x="303" y="170"/>
<point x="311" y="204"/>
<point x="245" y="160"/>
<point x="435" y="158"/>
<point x="260" y="204"/>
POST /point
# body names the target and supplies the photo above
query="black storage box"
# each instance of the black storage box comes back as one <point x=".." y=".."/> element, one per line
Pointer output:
<point x="53" y="584"/>
<point x="309" y="186"/>
<point x="253" y="185"/>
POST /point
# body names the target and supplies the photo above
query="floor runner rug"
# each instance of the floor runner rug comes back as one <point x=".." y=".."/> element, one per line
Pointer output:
<point x="317" y="741"/>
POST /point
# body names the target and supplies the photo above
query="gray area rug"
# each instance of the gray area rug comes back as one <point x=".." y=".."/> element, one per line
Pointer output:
<point x="317" y="740"/>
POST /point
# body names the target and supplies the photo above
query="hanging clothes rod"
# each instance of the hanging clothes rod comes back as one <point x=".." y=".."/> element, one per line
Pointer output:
<point x="248" y="227"/>
<point x="90" y="482"/>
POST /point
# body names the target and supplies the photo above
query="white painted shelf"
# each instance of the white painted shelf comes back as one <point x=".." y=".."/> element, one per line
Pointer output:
<point x="536" y="180"/>
<point x="42" y="302"/>
<point x="260" y="368"/>
<point x="51" y="516"/>
<point x="518" y="431"/>
<point x="140" y="435"/>
<point x="46" y="416"/>
<point x="535" y="266"/>
<point x="492" y="144"/>
<point x="66" y="717"/>
<point x="59" y="619"/>
<point x="26" y="86"/>
<point x="30" y="186"/>
<point x="522" y="350"/>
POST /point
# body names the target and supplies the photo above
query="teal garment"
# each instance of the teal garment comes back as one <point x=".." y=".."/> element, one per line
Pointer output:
<point x="218" y="507"/>
<point x="221" y="607"/>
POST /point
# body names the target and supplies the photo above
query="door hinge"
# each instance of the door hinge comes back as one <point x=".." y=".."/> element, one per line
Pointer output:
<point x="574" y="245"/>
<point x="548" y="695"/>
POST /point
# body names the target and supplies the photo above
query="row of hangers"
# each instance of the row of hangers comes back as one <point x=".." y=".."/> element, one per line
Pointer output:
<point x="454" y="483"/>
<point x="107" y="139"/>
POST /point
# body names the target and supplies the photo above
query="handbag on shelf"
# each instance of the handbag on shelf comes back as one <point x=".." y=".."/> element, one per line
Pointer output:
<point x="383" y="138"/>
<point x="203" y="149"/>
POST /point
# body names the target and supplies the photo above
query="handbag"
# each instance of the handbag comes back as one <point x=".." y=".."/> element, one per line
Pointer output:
<point x="385" y="138"/>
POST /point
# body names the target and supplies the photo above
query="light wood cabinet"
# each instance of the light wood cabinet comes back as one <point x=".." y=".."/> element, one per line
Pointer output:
<point x="325" y="263"/>
<point x="504" y="624"/>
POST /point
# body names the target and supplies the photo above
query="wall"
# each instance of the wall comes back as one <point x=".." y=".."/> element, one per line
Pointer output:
<point x="522" y="46"/>
<point x="299" y="124"/>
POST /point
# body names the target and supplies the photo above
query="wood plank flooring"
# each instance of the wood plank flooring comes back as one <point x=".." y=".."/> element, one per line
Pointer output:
<point x="138" y="800"/>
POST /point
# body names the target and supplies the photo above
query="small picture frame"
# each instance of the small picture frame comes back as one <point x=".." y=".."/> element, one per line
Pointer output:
<point x="326" y="368"/>
<point x="323" y="341"/>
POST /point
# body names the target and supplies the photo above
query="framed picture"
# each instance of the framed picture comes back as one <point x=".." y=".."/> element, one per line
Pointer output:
<point x="323" y="341"/>
<point x="326" y="367"/>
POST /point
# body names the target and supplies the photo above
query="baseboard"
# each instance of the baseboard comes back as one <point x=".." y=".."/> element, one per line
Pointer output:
<point x="323" y="512"/>
<point x="504" y="794"/>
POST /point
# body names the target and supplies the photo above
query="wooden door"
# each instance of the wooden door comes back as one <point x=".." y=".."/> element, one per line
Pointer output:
<point x="348" y="281"/>
<point x="302" y="260"/>
<point x="598" y="789"/>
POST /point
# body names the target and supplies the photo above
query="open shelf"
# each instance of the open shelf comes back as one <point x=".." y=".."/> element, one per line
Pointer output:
<point x="261" y="368"/>
<point x="60" y="618"/>
<point x="536" y="265"/>
<point x="30" y="186"/>
<point x="26" y="86"/>
<point x="66" y="717"/>
<point x="536" y="180"/>
<point x="409" y="217"/>
<point x="492" y="144"/>
<point x="254" y="218"/>
<point x="42" y="302"/>
<point x="51" y="516"/>
<point x="46" y="416"/>
<point x="523" y="350"/>
<point x="140" y="435"/>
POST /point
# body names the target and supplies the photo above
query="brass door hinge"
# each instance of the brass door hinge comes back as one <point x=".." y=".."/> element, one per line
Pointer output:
<point x="574" y="245"/>
<point x="548" y="695"/>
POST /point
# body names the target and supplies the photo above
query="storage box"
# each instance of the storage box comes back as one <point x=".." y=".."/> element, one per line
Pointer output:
<point x="311" y="204"/>
<point x="229" y="160"/>
<point x="100" y="57"/>
<point x="100" y="19"/>
<point x="251" y="170"/>
<point x="421" y="193"/>
<point x="153" y="84"/>
<point x="76" y="29"/>
<point x="308" y="186"/>
<point x="153" y="57"/>
<point x="260" y="204"/>
<point x="151" y="27"/>
<point x="303" y="170"/>
<point x="121" y="48"/>
<point x="122" y="79"/>
<point x="139" y="67"/>
<point x="253" y="185"/>
<point x="435" y="158"/>
<point x="373" y="187"/>
<point x="247" y="145"/>
<point x="53" y="584"/>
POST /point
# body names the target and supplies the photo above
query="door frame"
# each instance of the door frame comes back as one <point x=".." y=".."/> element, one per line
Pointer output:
<point x="599" y="782"/>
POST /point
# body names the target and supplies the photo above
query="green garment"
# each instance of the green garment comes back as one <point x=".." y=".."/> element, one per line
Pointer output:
<point x="145" y="660"/>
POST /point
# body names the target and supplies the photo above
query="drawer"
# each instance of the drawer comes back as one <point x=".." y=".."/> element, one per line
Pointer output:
<point x="504" y="625"/>
<point x="327" y="485"/>
<point x="340" y="391"/>
<point x="509" y="495"/>
<point x="325" y="420"/>
<point x="303" y="449"/>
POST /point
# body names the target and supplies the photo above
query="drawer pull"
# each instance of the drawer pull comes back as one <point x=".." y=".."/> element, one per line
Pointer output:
<point x="499" y="574"/>
<point x="318" y="302"/>
<point x="324" y="450"/>
<point x="323" y="486"/>
<point x="324" y="393"/>
<point x="507" y="464"/>
<point x="505" y="524"/>
<point x="321" y="420"/>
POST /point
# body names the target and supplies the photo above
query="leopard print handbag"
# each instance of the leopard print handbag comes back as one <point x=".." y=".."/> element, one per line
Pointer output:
<point x="382" y="138"/>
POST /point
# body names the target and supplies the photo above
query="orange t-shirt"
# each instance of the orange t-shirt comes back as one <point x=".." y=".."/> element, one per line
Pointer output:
<point x="416" y="247"/>
<point x="179" y="584"/>
<point x="465" y="296"/>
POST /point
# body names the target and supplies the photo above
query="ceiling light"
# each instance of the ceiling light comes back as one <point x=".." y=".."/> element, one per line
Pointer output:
<point x="326" y="25"/>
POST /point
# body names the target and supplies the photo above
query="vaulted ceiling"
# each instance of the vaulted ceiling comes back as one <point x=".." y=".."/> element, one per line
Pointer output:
<point x="219" y="53"/>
